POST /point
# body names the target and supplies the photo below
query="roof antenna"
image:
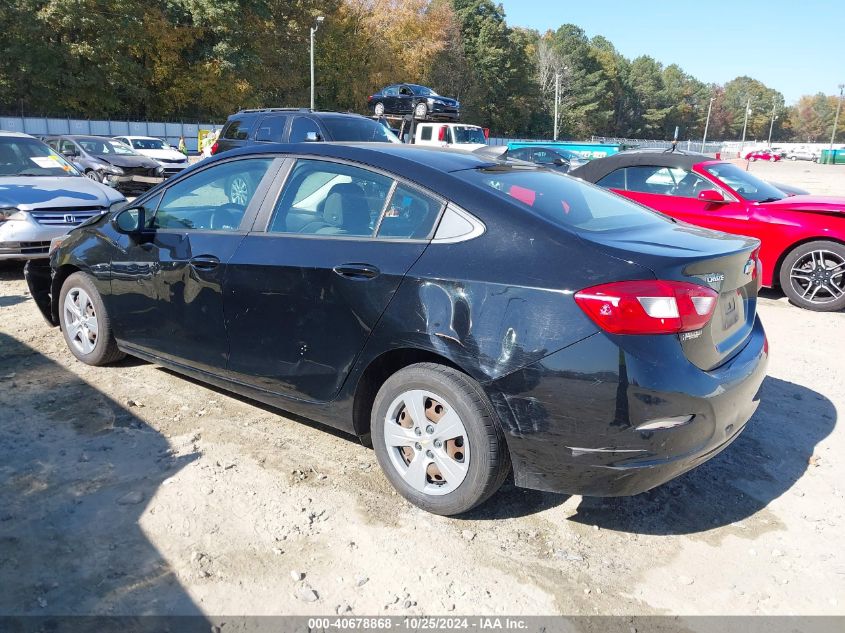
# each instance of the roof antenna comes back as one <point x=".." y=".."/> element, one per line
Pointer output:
<point x="674" y="142"/>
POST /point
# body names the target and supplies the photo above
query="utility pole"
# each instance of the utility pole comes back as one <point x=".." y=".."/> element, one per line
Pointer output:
<point x="707" y="123"/>
<point x="836" y="120"/>
<point x="772" y="124"/>
<point x="557" y="100"/>
<point x="314" y="32"/>
<point x="745" y="127"/>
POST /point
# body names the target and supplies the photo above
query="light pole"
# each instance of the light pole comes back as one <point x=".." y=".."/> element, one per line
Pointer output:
<point x="707" y="123"/>
<point x="313" y="32"/>
<point x="557" y="100"/>
<point x="772" y="124"/>
<point x="836" y="119"/>
<point x="745" y="127"/>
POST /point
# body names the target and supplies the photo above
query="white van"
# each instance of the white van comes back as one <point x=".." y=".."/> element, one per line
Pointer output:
<point x="459" y="135"/>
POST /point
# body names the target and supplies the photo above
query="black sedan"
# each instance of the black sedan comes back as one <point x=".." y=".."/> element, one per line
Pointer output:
<point x="464" y="316"/>
<point x="424" y="103"/>
<point x="109" y="161"/>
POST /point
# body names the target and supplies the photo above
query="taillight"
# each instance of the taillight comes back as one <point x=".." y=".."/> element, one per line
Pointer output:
<point x="486" y="133"/>
<point x="370" y="98"/>
<point x="648" y="307"/>
<point x="441" y="135"/>
<point x="214" y="148"/>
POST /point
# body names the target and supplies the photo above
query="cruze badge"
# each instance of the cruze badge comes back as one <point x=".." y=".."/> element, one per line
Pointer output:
<point x="713" y="278"/>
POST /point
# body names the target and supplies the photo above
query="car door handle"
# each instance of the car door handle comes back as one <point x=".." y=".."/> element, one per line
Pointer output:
<point x="204" y="262"/>
<point x="357" y="271"/>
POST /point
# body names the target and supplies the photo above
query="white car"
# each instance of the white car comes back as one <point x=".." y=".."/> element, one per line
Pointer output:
<point x="170" y="158"/>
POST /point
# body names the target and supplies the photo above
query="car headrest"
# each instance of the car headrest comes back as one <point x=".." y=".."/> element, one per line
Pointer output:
<point x="346" y="208"/>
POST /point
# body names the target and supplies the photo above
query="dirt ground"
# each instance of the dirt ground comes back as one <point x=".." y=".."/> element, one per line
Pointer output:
<point x="132" y="490"/>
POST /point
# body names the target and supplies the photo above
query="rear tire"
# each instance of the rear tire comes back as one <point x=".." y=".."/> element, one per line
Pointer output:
<point x="378" y="110"/>
<point x="420" y="111"/>
<point x="813" y="276"/>
<point x="85" y="322"/>
<point x="448" y="471"/>
<point x="239" y="190"/>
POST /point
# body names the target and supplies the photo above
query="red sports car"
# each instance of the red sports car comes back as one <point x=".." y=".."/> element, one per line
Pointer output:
<point x="761" y="154"/>
<point x="803" y="236"/>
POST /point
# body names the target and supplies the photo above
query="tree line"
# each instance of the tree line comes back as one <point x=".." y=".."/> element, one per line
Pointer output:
<point x="203" y="59"/>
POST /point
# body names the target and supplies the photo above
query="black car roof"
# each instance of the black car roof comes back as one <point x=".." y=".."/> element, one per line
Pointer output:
<point x="598" y="168"/>
<point x="387" y="156"/>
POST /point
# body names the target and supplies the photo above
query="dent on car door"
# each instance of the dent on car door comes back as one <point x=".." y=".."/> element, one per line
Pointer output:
<point x="303" y="295"/>
<point x="166" y="297"/>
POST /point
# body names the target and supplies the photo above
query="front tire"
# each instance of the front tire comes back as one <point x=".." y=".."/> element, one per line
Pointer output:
<point x="813" y="276"/>
<point x="437" y="439"/>
<point x="85" y="322"/>
<point x="94" y="175"/>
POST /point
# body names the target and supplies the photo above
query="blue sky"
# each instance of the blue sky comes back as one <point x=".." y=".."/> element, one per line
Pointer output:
<point x="796" y="47"/>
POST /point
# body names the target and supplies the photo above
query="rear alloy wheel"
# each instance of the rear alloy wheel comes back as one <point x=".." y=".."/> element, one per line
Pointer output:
<point x="436" y="439"/>
<point x="813" y="276"/>
<point x="378" y="110"/>
<point x="85" y="323"/>
<point x="420" y="111"/>
<point x="94" y="175"/>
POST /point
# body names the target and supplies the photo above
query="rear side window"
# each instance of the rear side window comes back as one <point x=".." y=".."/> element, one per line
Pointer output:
<point x="271" y="128"/>
<point x="565" y="201"/>
<point x="425" y="133"/>
<point x="330" y="199"/>
<point x="238" y="129"/>
<point x="614" y="180"/>
<point x="303" y="127"/>
<point x="410" y="214"/>
<point x="357" y="129"/>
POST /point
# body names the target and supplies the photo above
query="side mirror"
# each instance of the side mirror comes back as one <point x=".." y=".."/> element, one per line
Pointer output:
<point x="311" y="137"/>
<point x="711" y="195"/>
<point x="69" y="151"/>
<point x="130" y="221"/>
<point x="560" y="162"/>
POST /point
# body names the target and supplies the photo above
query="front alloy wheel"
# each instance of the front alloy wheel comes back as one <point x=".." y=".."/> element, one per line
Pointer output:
<point x="80" y="320"/>
<point x="813" y="276"/>
<point x="94" y="175"/>
<point x="85" y="322"/>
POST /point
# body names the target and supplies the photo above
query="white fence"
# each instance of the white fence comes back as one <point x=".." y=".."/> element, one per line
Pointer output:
<point x="37" y="126"/>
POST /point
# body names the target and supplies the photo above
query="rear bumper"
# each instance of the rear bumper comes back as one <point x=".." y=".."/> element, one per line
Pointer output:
<point x="571" y="419"/>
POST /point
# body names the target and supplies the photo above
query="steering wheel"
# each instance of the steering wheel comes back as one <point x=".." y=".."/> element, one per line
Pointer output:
<point x="226" y="216"/>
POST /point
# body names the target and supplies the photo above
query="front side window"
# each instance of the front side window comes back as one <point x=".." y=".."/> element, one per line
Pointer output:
<point x="406" y="92"/>
<point x="565" y="201"/>
<point x="747" y="185"/>
<point x="410" y="214"/>
<point x="325" y="198"/>
<point x="670" y="181"/>
<point x="305" y="129"/>
<point x="214" y="199"/>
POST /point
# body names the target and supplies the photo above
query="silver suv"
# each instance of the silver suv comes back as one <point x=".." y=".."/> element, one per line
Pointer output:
<point x="42" y="196"/>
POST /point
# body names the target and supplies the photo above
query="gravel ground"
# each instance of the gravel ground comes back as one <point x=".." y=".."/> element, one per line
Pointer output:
<point x="131" y="490"/>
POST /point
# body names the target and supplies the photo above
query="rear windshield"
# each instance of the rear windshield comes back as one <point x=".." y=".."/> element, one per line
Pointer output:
<point x="358" y="130"/>
<point x="563" y="200"/>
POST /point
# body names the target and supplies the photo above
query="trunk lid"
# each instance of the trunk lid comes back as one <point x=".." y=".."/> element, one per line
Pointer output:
<point x="681" y="252"/>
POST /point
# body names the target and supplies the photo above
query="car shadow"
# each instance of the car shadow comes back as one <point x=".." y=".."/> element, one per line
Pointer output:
<point x="78" y="472"/>
<point x="11" y="270"/>
<point x="767" y="459"/>
<point x="11" y="300"/>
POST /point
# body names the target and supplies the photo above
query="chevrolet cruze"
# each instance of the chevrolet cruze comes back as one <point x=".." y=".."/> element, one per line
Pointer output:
<point x="467" y="318"/>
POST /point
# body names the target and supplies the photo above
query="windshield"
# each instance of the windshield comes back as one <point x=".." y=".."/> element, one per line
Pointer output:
<point x="104" y="147"/>
<point x="563" y="200"/>
<point x="20" y="156"/>
<point x="358" y="130"/>
<point x="468" y="134"/>
<point x="748" y="186"/>
<point x="149" y="143"/>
